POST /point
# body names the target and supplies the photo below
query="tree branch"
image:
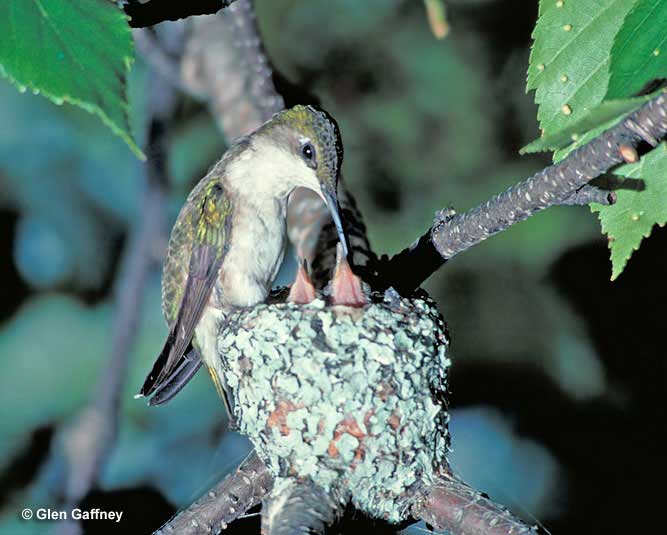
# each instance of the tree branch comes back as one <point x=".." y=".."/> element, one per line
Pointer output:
<point x="224" y="503"/>
<point x="144" y="14"/>
<point x="561" y="183"/>
<point x="452" y="506"/>
<point x="224" y="62"/>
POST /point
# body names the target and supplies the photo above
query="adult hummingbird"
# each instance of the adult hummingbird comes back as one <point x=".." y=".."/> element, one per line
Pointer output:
<point x="229" y="238"/>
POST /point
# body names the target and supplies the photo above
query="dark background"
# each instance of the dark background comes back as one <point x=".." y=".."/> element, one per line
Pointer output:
<point x="558" y="378"/>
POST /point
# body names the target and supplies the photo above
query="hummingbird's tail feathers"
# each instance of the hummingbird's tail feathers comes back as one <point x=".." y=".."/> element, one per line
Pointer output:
<point x="205" y="263"/>
<point x="185" y="370"/>
<point x="153" y="379"/>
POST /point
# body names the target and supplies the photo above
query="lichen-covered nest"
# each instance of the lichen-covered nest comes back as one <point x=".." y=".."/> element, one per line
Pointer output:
<point x="351" y="398"/>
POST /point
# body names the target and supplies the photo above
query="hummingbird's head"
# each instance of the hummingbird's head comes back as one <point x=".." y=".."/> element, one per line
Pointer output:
<point x="312" y="140"/>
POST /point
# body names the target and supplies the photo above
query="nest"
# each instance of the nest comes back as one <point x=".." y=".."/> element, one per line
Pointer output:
<point x="351" y="399"/>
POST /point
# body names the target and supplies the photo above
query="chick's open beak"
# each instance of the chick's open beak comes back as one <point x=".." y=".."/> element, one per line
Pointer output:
<point x="334" y="208"/>
<point x="302" y="291"/>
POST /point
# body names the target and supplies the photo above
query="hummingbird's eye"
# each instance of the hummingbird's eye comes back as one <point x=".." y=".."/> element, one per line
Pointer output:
<point x="308" y="153"/>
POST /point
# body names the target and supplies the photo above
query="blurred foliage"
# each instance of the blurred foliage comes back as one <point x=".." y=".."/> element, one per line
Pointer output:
<point x="60" y="171"/>
<point x="50" y="340"/>
<point x="437" y="18"/>
<point x="521" y="473"/>
<point x="70" y="52"/>
<point x="426" y="123"/>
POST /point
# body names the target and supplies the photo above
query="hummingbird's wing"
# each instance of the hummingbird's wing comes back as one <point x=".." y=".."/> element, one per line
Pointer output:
<point x="202" y="231"/>
<point x="205" y="265"/>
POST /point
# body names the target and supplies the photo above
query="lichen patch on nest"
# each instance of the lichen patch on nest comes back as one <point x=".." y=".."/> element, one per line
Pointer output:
<point x="351" y="401"/>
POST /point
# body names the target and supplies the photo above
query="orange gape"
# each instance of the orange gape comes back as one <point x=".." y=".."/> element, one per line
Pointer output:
<point x="346" y="287"/>
<point x="302" y="291"/>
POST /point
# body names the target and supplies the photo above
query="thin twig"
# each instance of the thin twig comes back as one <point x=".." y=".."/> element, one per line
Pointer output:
<point x="588" y="194"/>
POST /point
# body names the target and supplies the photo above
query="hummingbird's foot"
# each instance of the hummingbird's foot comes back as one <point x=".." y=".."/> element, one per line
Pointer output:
<point x="346" y="288"/>
<point x="302" y="290"/>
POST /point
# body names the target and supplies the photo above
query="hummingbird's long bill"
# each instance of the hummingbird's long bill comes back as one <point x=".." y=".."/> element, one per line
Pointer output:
<point x="334" y="208"/>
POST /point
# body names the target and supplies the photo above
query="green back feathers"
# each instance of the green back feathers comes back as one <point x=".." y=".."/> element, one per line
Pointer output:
<point x="203" y="220"/>
<point x="209" y="215"/>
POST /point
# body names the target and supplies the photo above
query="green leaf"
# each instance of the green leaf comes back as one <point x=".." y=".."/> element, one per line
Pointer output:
<point x="636" y="211"/>
<point x="604" y="116"/>
<point x="569" y="61"/>
<point x="639" y="54"/>
<point x="71" y="51"/>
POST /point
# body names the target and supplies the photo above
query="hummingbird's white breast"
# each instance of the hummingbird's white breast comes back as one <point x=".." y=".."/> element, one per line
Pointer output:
<point x="260" y="180"/>
<point x="256" y="250"/>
